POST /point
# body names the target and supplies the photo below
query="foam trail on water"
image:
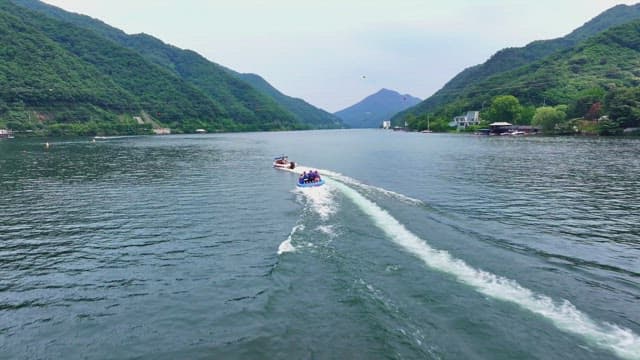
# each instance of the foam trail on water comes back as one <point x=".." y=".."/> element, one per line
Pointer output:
<point x="327" y="230"/>
<point x="564" y="315"/>
<point x="320" y="198"/>
<point x="351" y="181"/>
<point x="286" y="245"/>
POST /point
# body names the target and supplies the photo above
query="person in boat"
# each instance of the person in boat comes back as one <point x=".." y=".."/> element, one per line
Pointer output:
<point x="309" y="177"/>
<point x="303" y="178"/>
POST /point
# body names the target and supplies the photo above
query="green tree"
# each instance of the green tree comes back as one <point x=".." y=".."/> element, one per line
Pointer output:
<point x="439" y="124"/>
<point x="583" y="105"/>
<point x="549" y="117"/>
<point x="505" y="108"/>
<point x="623" y="106"/>
<point x="527" y="114"/>
<point x="609" y="127"/>
<point x="412" y="122"/>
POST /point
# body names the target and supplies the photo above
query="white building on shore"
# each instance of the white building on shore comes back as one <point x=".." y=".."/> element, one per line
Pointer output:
<point x="464" y="121"/>
<point x="4" y="133"/>
<point x="162" y="131"/>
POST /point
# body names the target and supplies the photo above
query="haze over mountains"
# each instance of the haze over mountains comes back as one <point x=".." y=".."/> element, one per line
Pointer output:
<point x="303" y="111"/>
<point x="545" y="72"/>
<point x="376" y="108"/>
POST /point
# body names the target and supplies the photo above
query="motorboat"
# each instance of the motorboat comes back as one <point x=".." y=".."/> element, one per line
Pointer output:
<point x="282" y="162"/>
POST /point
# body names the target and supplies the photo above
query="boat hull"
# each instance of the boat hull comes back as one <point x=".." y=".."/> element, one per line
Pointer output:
<point x="289" y="165"/>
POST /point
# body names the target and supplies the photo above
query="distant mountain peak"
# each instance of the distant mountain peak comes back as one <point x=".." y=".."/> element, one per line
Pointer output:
<point x="375" y="108"/>
<point x="385" y="90"/>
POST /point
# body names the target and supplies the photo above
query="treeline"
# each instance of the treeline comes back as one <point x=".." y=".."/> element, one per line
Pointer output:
<point x="595" y="111"/>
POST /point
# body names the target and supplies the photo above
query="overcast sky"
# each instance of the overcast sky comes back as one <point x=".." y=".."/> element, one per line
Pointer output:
<point x="333" y="53"/>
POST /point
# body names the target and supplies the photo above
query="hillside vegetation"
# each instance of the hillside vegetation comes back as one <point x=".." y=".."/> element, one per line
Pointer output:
<point x="60" y="79"/>
<point x="566" y="71"/>
<point x="52" y="74"/>
<point x="301" y="110"/>
<point x="248" y="97"/>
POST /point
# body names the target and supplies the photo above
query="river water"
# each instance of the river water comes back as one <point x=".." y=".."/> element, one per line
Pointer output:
<point x="424" y="246"/>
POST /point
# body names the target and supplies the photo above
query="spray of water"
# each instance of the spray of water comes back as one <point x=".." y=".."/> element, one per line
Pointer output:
<point x="319" y="200"/>
<point x="286" y="246"/>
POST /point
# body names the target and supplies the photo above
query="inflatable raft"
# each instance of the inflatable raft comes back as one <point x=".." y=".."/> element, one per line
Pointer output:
<point x="311" y="184"/>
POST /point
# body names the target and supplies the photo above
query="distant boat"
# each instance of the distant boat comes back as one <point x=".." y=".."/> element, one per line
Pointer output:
<point x="282" y="162"/>
<point x="428" y="129"/>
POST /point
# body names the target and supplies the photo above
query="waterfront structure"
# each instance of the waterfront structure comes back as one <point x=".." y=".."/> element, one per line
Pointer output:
<point x="464" y="121"/>
<point x="5" y="134"/>
<point x="162" y="131"/>
<point x="386" y="124"/>
<point x="499" y="128"/>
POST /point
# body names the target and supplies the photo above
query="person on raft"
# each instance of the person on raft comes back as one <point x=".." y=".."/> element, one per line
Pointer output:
<point x="310" y="177"/>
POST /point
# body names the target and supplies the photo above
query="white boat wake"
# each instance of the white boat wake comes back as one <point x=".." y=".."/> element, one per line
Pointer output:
<point x="351" y="181"/>
<point x="564" y="315"/>
<point x="320" y="200"/>
<point x="286" y="246"/>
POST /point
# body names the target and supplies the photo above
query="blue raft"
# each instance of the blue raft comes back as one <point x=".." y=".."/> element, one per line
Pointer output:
<point x="311" y="184"/>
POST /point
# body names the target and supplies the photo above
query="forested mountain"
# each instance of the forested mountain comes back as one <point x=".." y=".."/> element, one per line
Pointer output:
<point x="303" y="111"/>
<point x="166" y="98"/>
<point x="374" y="109"/>
<point x="608" y="60"/>
<point x="247" y="95"/>
<point x="514" y="58"/>
<point x="593" y="87"/>
<point x="53" y="73"/>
